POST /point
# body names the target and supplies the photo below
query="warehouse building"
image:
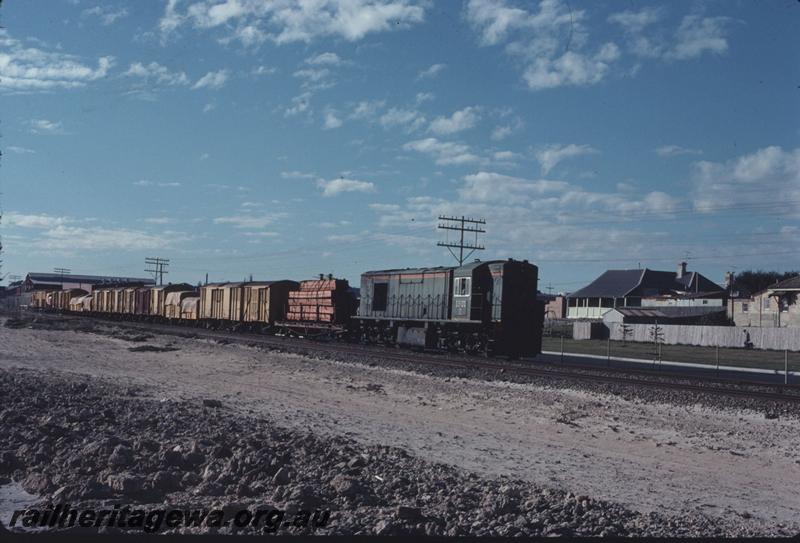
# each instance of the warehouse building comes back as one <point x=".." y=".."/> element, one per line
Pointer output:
<point x="55" y="281"/>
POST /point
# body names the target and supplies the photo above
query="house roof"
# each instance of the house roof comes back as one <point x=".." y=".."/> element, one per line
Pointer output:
<point x="793" y="283"/>
<point x="611" y="284"/>
<point x="646" y="282"/>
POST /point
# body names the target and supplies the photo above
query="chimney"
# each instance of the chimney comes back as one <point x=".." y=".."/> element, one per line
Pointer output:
<point x="729" y="277"/>
<point x="681" y="270"/>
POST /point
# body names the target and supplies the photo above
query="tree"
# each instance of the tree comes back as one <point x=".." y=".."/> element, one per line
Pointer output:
<point x="755" y="281"/>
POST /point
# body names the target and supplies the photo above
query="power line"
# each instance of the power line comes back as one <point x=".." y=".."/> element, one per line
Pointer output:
<point x="157" y="266"/>
<point x="62" y="272"/>
<point x="463" y="226"/>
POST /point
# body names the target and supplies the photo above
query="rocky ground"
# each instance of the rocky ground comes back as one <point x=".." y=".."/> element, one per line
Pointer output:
<point x="93" y="444"/>
<point x="109" y="415"/>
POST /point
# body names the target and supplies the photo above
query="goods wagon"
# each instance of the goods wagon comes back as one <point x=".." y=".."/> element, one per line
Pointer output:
<point x="266" y="301"/>
<point x="141" y="302"/>
<point x="220" y="301"/>
<point x="327" y="301"/>
<point x="481" y="307"/>
<point x="250" y="302"/>
<point x="173" y="303"/>
<point x="81" y="304"/>
<point x="128" y="302"/>
<point x="62" y="298"/>
<point x="42" y="299"/>
<point x="158" y="297"/>
<point x="102" y="300"/>
<point x="190" y="307"/>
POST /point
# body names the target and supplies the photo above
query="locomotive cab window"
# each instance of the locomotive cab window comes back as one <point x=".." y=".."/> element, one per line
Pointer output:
<point x="462" y="286"/>
<point x="380" y="294"/>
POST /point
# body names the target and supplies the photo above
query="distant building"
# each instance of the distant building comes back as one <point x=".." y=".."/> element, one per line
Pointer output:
<point x="644" y="288"/>
<point x="555" y="308"/>
<point x="774" y="306"/>
<point x="55" y="281"/>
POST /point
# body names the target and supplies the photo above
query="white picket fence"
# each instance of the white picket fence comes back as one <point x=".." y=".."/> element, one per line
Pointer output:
<point x="712" y="336"/>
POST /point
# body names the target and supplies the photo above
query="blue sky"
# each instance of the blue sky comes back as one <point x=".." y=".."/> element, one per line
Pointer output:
<point x="285" y="139"/>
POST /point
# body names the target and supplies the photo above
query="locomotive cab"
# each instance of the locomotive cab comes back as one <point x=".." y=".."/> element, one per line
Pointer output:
<point x="472" y="293"/>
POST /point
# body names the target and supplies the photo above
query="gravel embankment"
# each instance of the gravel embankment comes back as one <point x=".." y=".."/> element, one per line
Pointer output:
<point x="93" y="443"/>
<point x="576" y="378"/>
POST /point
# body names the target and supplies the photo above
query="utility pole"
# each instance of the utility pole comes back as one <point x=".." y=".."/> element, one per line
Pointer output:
<point x="461" y="225"/>
<point x="157" y="266"/>
<point x="62" y="272"/>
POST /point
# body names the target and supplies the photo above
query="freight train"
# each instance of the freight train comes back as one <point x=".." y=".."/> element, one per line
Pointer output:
<point x="487" y="308"/>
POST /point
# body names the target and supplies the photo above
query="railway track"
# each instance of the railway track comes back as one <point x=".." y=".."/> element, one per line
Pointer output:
<point x="628" y="377"/>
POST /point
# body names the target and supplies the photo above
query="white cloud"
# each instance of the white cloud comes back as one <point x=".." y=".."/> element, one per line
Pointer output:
<point x="766" y="179"/>
<point x="171" y="19"/>
<point x="286" y="21"/>
<point x="147" y="183"/>
<point x="541" y="218"/>
<point x="58" y="233"/>
<point x="107" y="14"/>
<point x="212" y="80"/>
<point x="297" y="175"/>
<point x="384" y="207"/>
<point x="300" y="104"/>
<point x="676" y="150"/>
<point x="33" y="221"/>
<point x="694" y="36"/>
<point x="503" y="131"/>
<point x="463" y="119"/>
<point x="99" y="239"/>
<point x="338" y="186"/>
<point x="20" y="150"/>
<point x="159" y="220"/>
<point x="697" y="35"/>
<point x="550" y="41"/>
<point x="444" y="152"/>
<point x="261" y="234"/>
<point x="637" y="21"/>
<point x="571" y="69"/>
<point x="329" y="59"/>
<point x="551" y="155"/>
<point x="331" y="120"/>
<point x="367" y="109"/>
<point x="249" y="221"/>
<point x="408" y="118"/>
<point x="157" y="74"/>
<point x="263" y="70"/>
<point x="312" y="74"/>
<point x="31" y="69"/>
<point x="45" y="127"/>
<point x="431" y="71"/>
<point x="495" y="187"/>
<point x="504" y="155"/>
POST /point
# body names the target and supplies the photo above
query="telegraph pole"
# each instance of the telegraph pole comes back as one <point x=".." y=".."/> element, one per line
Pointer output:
<point x="157" y="266"/>
<point x="62" y="272"/>
<point x="462" y="225"/>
